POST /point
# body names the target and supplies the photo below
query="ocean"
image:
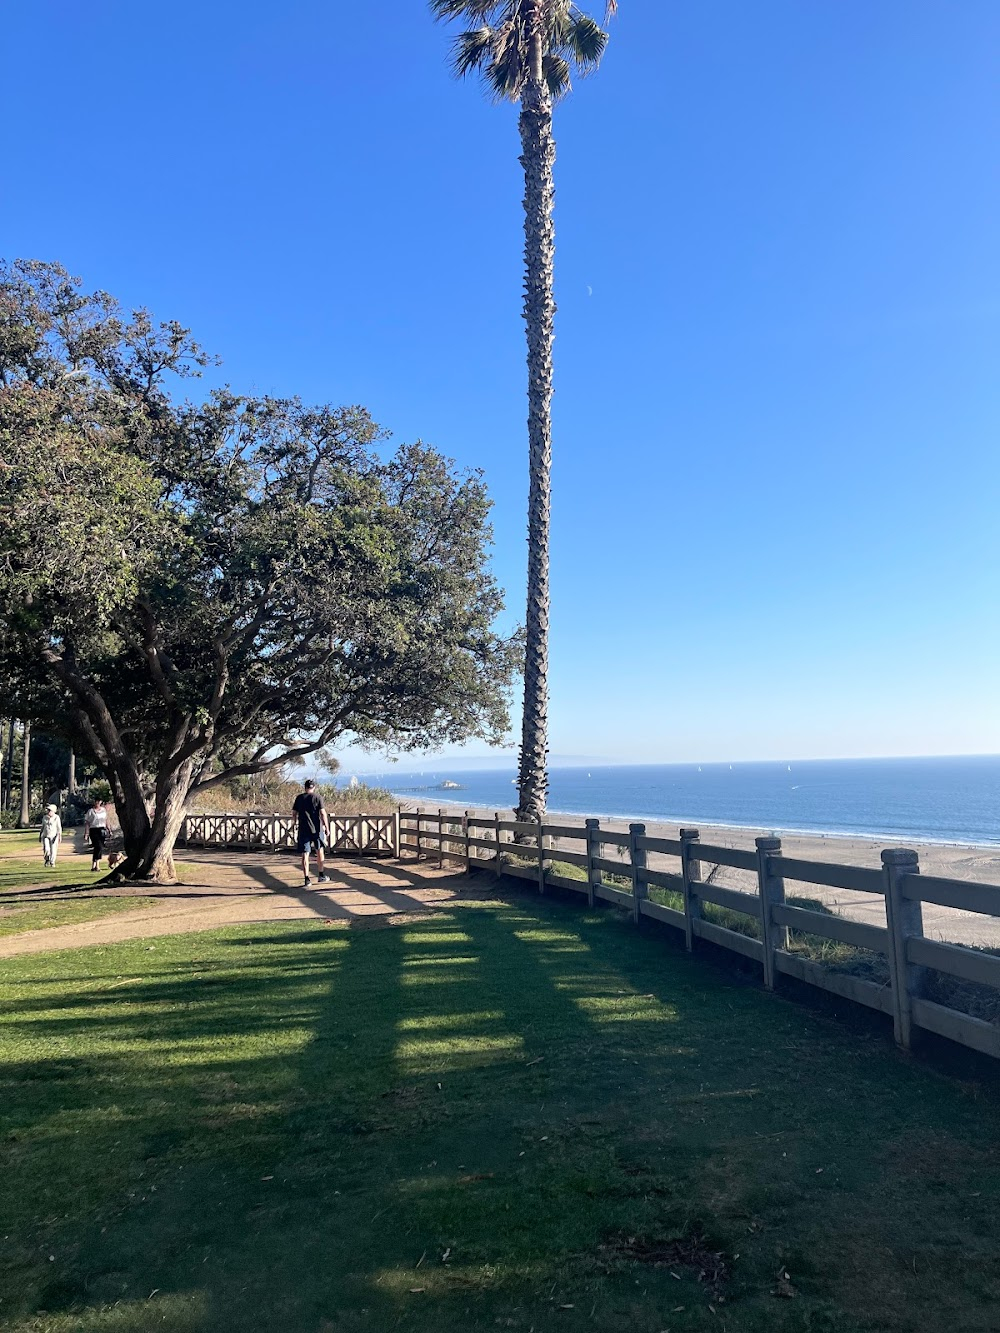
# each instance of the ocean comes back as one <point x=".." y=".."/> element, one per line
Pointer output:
<point x="920" y="800"/>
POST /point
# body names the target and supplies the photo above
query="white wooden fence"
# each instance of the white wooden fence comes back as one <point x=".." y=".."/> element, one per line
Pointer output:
<point x="526" y="851"/>
<point x="353" y="835"/>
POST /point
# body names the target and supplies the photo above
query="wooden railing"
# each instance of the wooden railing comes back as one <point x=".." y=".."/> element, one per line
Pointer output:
<point x="352" y="835"/>
<point x="526" y="851"/>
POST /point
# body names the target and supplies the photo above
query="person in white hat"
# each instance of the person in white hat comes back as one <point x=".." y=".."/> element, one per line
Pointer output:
<point x="50" y="834"/>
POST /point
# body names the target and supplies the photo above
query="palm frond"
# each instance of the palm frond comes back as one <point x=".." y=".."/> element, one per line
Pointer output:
<point x="557" y="75"/>
<point x="508" y="69"/>
<point x="585" y="40"/>
<point x="482" y="10"/>
<point x="472" y="50"/>
<point x="560" y="17"/>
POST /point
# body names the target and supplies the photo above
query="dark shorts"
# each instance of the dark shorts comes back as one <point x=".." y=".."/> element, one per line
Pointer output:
<point x="309" y="842"/>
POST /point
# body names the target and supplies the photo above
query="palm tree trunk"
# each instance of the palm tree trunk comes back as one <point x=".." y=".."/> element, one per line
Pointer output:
<point x="25" y="816"/>
<point x="537" y="159"/>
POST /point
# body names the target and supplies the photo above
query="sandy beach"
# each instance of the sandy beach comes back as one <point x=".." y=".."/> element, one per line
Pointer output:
<point x="979" y="865"/>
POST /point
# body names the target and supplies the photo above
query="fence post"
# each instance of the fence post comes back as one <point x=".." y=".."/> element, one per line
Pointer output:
<point x="496" y="830"/>
<point x="419" y="817"/>
<point x="771" y="889"/>
<point x="691" y="873"/>
<point x="593" y="827"/>
<point x="904" y="919"/>
<point x="440" y="838"/>
<point x="468" y="850"/>
<point x="397" y="847"/>
<point x="637" y="856"/>
<point x="540" y="838"/>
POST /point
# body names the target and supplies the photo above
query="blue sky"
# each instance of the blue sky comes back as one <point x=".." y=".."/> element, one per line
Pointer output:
<point x="777" y="408"/>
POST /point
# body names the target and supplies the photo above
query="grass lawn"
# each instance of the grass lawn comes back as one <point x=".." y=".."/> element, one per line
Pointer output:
<point x="29" y="890"/>
<point x="512" y="1115"/>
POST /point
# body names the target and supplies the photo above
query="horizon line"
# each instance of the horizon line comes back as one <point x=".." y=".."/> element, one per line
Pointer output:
<point x="457" y="761"/>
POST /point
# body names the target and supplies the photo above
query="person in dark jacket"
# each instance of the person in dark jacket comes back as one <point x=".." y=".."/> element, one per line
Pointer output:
<point x="314" y="829"/>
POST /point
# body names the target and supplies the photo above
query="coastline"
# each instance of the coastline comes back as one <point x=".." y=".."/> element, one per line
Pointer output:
<point x="935" y="801"/>
<point x="977" y="862"/>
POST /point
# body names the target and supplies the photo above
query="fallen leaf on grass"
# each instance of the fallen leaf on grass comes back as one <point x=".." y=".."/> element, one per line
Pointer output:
<point x="784" y="1287"/>
<point x="414" y="1290"/>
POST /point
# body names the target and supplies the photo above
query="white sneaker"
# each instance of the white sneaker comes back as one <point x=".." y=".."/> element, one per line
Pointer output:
<point x="306" y="882"/>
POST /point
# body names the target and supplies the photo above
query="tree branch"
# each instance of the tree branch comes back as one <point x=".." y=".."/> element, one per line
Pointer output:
<point x="155" y="656"/>
<point x="261" y="765"/>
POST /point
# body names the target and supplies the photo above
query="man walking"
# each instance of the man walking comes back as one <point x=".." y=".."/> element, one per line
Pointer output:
<point x="313" y="828"/>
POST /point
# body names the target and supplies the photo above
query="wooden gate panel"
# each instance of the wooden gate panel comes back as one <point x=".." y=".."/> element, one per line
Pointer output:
<point x="350" y="835"/>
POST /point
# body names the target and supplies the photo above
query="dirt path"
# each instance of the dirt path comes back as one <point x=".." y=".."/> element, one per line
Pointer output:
<point x="221" y="889"/>
<point x="229" y="888"/>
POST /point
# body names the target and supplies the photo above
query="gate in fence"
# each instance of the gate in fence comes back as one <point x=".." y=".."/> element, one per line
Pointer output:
<point x="351" y="835"/>
<point x="682" y="881"/>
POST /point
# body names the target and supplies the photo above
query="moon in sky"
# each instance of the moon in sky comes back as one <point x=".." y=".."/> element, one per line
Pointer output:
<point x="590" y="291"/>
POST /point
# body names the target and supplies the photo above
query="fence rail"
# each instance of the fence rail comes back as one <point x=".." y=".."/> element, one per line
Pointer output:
<point x="615" y="871"/>
<point x="350" y="835"/>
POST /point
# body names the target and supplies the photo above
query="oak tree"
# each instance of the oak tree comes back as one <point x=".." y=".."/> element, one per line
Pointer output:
<point x="195" y="590"/>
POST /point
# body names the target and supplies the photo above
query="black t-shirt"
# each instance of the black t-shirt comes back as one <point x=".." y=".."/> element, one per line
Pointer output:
<point x="308" y="806"/>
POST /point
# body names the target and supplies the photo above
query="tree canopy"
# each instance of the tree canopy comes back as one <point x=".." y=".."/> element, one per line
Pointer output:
<point x="500" y="46"/>
<point x="193" y="590"/>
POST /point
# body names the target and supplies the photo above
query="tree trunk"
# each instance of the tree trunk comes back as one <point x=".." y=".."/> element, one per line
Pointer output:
<point x="10" y="764"/>
<point x="71" y="776"/>
<point x="537" y="159"/>
<point x="150" y="853"/>
<point x="24" y="818"/>
<point x="135" y="827"/>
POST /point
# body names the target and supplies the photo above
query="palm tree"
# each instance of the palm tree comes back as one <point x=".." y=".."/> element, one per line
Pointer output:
<point x="525" y="51"/>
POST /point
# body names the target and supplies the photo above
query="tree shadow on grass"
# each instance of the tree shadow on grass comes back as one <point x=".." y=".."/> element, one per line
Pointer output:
<point x="447" y="1124"/>
<point x="316" y="901"/>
